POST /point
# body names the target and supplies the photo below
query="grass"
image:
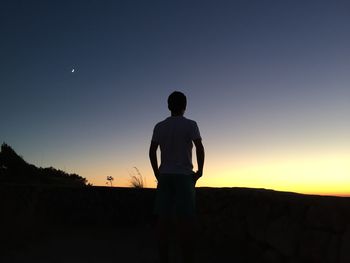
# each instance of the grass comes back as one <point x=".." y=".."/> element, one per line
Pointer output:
<point x="136" y="180"/>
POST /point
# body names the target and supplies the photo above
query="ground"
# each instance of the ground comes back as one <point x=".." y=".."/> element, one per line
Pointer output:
<point x="127" y="244"/>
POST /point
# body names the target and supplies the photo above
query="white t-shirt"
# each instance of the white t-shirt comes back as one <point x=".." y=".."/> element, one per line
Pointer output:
<point x="174" y="136"/>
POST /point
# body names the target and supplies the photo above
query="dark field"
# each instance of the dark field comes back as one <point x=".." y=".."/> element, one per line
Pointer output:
<point x="101" y="224"/>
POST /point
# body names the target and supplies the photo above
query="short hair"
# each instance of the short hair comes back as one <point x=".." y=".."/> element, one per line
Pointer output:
<point x="177" y="102"/>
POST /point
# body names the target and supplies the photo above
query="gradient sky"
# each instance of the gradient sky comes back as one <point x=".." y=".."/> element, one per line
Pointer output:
<point x="268" y="83"/>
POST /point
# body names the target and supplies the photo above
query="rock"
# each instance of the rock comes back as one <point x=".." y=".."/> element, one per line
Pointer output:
<point x="333" y="248"/>
<point x="344" y="256"/>
<point x="257" y="220"/>
<point x="294" y="260"/>
<point x="282" y="234"/>
<point x="253" y="252"/>
<point x="314" y="246"/>
<point x="325" y="216"/>
<point x="272" y="256"/>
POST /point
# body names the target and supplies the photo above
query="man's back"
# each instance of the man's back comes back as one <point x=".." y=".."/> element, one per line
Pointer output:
<point x="174" y="136"/>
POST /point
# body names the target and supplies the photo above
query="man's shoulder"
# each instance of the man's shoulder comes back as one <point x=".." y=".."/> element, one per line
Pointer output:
<point x="161" y="123"/>
<point x="190" y="121"/>
<point x="179" y="121"/>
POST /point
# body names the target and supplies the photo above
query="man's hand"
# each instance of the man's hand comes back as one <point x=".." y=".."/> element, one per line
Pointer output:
<point x="197" y="175"/>
<point x="157" y="174"/>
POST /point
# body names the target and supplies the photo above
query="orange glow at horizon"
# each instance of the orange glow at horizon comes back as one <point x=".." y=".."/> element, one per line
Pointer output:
<point x="310" y="175"/>
<point x="321" y="175"/>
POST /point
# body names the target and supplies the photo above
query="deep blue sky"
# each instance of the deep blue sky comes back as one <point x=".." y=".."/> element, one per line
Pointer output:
<point x="263" y="78"/>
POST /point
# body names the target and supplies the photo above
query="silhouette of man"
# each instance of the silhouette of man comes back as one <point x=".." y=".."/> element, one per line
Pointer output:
<point x="175" y="198"/>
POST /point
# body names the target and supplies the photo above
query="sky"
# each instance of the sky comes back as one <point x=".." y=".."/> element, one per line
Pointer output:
<point x="84" y="82"/>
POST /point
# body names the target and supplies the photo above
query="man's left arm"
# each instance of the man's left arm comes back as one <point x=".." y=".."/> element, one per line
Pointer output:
<point x="153" y="158"/>
<point x="200" y="157"/>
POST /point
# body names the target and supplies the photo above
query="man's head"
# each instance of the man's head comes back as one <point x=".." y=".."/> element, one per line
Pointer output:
<point x="177" y="103"/>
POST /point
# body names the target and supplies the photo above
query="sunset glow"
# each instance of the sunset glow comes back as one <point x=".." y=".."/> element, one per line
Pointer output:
<point x="267" y="83"/>
<point x="303" y="175"/>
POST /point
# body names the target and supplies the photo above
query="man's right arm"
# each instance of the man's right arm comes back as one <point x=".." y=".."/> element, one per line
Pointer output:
<point x="153" y="158"/>
<point x="200" y="156"/>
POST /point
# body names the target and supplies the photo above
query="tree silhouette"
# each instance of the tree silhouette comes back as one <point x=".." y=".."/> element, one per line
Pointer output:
<point x="14" y="169"/>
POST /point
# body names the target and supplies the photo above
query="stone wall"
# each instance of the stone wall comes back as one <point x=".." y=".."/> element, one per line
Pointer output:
<point x="245" y="225"/>
<point x="41" y="206"/>
<point x="268" y="226"/>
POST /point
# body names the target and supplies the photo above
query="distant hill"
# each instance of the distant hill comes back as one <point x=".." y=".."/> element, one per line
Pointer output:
<point x="14" y="169"/>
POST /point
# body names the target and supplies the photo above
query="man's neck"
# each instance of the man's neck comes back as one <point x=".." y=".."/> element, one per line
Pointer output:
<point x="176" y="115"/>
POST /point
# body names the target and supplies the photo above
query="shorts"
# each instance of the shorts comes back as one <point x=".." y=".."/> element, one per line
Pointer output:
<point x="175" y="195"/>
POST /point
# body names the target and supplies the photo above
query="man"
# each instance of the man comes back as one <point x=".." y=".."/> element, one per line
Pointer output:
<point x="175" y="198"/>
